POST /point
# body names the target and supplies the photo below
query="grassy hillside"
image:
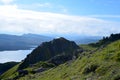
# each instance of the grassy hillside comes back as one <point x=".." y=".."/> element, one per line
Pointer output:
<point x="10" y="73"/>
<point x="5" y="66"/>
<point x="88" y="47"/>
<point x="103" y="64"/>
<point x="51" y="53"/>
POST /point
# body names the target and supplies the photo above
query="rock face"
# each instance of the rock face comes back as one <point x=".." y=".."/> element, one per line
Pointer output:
<point x="60" y="59"/>
<point x="48" y="50"/>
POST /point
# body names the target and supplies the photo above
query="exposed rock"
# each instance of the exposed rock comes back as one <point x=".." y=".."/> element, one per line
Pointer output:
<point x="22" y="72"/>
<point x="48" y="50"/>
<point x="40" y="70"/>
<point x="60" y="59"/>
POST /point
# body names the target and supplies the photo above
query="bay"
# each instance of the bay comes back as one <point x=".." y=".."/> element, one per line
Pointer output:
<point x="17" y="55"/>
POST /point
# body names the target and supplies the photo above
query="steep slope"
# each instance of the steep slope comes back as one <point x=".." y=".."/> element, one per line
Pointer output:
<point x="47" y="55"/>
<point x="48" y="50"/>
<point x="103" y="64"/>
<point x="10" y="73"/>
<point x="5" y="66"/>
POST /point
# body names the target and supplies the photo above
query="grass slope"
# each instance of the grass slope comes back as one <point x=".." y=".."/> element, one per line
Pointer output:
<point x="10" y="73"/>
<point x="6" y="66"/>
<point x="88" y="47"/>
<point x="104" y="64"/>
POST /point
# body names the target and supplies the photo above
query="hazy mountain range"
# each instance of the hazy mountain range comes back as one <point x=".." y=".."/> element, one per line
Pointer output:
<point x="27" y="41"/>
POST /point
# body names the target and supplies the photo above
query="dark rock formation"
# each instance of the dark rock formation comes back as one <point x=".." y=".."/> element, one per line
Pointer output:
<point x="39" y="70"/>
<point x="48" y="50"/>
<point x="60" y="59"/>
<point x="22" y="72"/>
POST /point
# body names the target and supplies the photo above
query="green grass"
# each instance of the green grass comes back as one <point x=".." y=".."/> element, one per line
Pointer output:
<point x="102" y="65"/>
<point x="87" y="47"/>
<point x="10" y="73"/>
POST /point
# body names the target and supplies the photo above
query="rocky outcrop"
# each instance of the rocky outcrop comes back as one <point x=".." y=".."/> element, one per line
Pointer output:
<point x="60" y="59"/>
<point x="48" y="50"/>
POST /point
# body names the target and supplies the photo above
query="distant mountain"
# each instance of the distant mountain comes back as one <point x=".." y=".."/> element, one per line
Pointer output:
<point x="26" y="41"/>
<point x="86" y="39"/>
<point x="80" y="39"/>
<point x="48" y="50"/>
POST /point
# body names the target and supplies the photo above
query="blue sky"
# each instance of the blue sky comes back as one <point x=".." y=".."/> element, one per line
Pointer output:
<point x="80" y="17"/>
<point x="78" y="7"/>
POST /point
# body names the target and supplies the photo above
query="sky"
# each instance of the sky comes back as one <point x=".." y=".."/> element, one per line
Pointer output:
<point x="60" y="17"/>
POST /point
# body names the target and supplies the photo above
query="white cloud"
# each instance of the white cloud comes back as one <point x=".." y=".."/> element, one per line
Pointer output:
<point x="105" y="16"/>
<point x="6" y="1"/>
<point x="36" y="5"/>
<point x="14" y="20"/>
<point x="43" y="5"/>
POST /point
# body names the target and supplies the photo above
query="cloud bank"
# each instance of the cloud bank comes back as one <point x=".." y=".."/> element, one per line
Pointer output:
<point x="6" y="1"/>
<point x="19" y="21"/>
